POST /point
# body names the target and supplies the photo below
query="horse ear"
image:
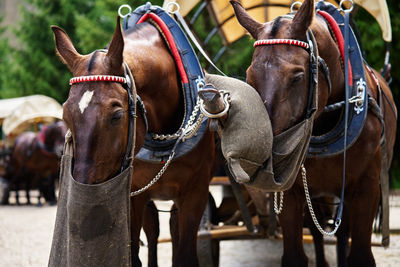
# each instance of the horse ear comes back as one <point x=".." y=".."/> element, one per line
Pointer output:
<point x="302" y="20"/>
<point x="115" y="50"/>
<point x="251" y="25"/>
<point x="65" y="48"/>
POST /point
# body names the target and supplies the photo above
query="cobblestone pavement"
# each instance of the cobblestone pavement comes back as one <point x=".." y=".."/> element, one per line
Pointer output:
<point x="26" y="233"/>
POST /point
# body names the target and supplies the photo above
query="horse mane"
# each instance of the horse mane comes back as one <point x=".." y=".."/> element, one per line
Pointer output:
<point x="138" y="28"/>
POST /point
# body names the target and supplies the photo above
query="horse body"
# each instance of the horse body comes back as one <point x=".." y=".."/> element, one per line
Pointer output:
<point x="157" y="83"/>
<point x="35" y="160"/>
<point x="280" y="74"/>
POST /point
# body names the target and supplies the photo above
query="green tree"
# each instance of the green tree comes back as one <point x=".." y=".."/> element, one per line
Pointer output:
<point x="4" y="58"/>
<point x="35" y="68"/>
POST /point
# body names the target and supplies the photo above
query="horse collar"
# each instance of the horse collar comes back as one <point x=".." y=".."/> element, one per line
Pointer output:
<point x="158" y="147"/>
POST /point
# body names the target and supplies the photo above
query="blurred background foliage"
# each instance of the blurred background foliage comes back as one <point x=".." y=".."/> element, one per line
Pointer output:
<point x="32" y="67"/>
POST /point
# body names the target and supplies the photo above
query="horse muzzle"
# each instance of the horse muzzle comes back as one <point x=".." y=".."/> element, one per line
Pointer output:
<point x="90" y="219"/>
<point x="254" y="156"/>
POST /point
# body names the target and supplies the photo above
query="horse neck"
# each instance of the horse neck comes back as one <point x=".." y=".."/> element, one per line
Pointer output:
<point x="156" y="80"/>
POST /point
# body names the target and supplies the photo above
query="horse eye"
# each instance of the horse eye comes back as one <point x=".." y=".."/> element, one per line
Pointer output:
<point x="116" y="116"/>
<point x="297" y="78"/>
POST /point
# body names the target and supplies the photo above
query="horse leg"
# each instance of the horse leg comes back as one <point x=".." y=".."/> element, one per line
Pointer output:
<point x="17" y="193"/>
<point x="27" y="188"/>
<point x="190" y="210"/>
<point x="362" y="207"/>
<point x="52" y="190"/>
<point x="16" y="180"/>
<point x="342" y="236"/>
<point x="137" y="208"/>
<point x="291" y="221"/>
<point x="151" y="228"/>
<point x="174" y="230"/>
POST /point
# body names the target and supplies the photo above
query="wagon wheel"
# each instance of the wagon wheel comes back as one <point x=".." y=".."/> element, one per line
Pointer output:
<point x="208" y="248"/>
<point x="4" y="191"/>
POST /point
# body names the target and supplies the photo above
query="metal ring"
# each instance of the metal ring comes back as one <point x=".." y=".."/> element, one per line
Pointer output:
<point x="124" y="6"/>
<point x="218" y="115"/>
<point x="173" y="4"/>
<point x="350" y="8"/>
<point x="294" y="5"/>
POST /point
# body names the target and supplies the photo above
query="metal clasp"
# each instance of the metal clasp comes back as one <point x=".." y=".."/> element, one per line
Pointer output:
<point x="358" y="99"/>
<point x="199" y="83"/>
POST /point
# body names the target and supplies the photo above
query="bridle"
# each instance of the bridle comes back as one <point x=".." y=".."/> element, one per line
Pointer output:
<point x="311" y="47"/>
<point x="128" y="83"/>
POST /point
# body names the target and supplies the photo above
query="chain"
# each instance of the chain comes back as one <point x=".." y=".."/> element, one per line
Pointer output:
<point x="156" y="178"/>
<point x="310" y="208"/>
<point x="167" y="136"/>
<point x="191" y="128"/>
<point x="186" y="133"/>
<point x="278" y="211"/>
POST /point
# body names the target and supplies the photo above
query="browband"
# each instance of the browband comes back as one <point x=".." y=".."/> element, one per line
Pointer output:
<point x="281" y="41"/>
<point x="97" y="78"/>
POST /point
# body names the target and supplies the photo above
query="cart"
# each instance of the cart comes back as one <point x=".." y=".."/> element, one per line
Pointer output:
<point x="16" y="116"/>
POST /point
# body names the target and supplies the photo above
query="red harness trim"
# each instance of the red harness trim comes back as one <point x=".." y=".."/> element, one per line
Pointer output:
<point x="339" y="37"/>
<point x="96" y="78"/>
<point x="41" y="135"/>
<point x="170" y="40"/>
<point x="373" y="75"/>
<point x="281" y="41"/>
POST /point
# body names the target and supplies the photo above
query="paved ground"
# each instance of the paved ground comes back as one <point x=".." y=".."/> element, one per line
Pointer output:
<point x="26" y="233"/>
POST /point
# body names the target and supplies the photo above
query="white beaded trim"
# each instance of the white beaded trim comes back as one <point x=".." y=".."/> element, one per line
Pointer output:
<point x="96" y="78"/>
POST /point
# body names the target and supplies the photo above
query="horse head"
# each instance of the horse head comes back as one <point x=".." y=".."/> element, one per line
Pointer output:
<point x="280" y="70"/>
<point x="96" y="112"/>
<point x="54" y="137"/>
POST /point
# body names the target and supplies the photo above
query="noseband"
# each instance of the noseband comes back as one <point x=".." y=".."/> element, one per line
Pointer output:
<point x="129" y="85"/>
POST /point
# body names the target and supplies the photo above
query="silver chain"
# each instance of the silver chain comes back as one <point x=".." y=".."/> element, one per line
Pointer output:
<point x="276" y="209"/>
<point x="310" y="208"/>
<point x="186" y="133"/>
<point x="191" y="128"/>
<point x="166" y="136"/>
<point x="155" y="179"/>
<point x="186" y="129"/>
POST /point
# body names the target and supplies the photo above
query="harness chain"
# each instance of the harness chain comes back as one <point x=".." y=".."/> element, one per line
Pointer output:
<point x="156" y="178"/>
<point x="186" y="133"/>
<point x="310" y="208"/>
<point x="276" y="209"/>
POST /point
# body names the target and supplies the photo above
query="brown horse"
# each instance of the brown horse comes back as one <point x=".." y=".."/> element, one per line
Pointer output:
<point x="97" y="115"/>
<point x="34" y="161"/>
<point x="280" y="73"/>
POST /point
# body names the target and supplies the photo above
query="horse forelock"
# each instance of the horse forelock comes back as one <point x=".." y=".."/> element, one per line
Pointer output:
<point x="92" y="61"/>
<point x="277" y="23"/>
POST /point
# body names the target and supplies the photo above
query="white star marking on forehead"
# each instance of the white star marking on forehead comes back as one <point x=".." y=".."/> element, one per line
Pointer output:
<point x="85" y="100"/>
